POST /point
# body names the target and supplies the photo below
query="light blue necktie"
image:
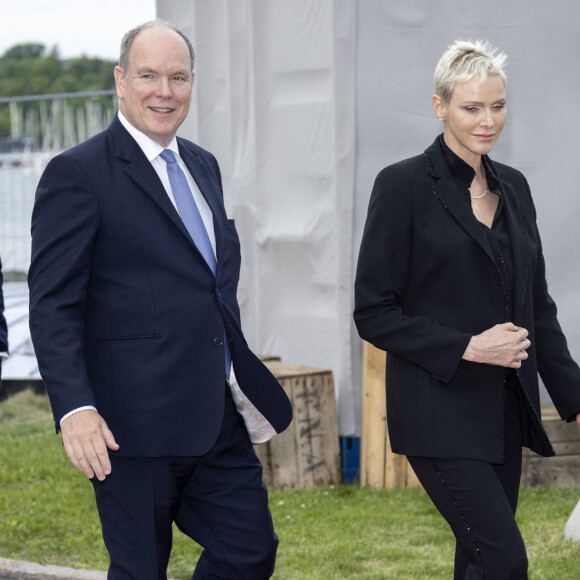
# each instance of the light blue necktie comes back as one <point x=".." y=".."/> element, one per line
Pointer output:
<point x="187" y="208"/>
<point x="191" y="218"/>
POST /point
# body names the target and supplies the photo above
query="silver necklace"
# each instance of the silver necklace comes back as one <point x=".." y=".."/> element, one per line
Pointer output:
<point x="478" y="196"/>
<point x="485" y="192"/>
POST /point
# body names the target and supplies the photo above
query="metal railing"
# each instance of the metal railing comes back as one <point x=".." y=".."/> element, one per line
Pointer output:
<point x="41" y="126"/>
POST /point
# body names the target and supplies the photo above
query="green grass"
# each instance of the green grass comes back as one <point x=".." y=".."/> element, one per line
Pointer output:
<point x="48" y="515"/>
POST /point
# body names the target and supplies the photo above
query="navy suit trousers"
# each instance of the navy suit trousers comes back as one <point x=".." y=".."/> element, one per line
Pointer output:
<point x="218" y="499"/>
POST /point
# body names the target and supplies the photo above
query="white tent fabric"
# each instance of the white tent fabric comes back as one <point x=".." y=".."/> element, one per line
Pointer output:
<point x="275" y="102"/>
<point x="304" y="101"/>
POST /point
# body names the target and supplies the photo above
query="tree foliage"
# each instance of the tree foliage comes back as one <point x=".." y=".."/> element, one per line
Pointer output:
<point x="31" y="69"/>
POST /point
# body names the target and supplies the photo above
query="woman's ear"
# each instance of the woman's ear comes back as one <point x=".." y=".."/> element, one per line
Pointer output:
<point x="439" y="107"/>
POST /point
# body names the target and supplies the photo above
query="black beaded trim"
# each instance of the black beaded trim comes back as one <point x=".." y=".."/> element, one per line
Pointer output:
<point x="467" y="527"/>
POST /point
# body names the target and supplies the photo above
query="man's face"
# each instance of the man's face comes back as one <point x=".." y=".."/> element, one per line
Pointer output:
<point x="155" y="93"/>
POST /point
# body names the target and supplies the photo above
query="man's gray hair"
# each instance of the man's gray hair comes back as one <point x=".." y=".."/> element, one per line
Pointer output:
<point x="128" y="39"/>
<point x="464" y="60"/>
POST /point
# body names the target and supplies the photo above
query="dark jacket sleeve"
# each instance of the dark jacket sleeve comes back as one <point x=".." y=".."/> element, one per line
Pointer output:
<point x="558" y="370"/>
<point x="3" y="327"/>
<point x="381" y="278"/>
<point x="65" y="221"/>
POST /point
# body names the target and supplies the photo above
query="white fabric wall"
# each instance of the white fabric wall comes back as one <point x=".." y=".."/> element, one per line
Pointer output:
<point x="275" y="102"/>
<point x="304" y="101"/>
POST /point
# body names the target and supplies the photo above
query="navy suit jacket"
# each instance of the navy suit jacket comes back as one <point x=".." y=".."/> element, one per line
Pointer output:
<point x="125" y="313"/>
<point x="426" y="282"/>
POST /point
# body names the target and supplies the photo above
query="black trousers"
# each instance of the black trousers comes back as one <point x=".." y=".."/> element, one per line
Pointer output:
<point x="217" y="499"/>
<point x="479" y="502"/>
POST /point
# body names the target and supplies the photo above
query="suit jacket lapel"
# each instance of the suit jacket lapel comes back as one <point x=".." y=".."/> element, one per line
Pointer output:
<point x="521" y="251"/>
<point x="202" y="177"/>
<point x="446" y="190"/>
<point x="139" y="169"/>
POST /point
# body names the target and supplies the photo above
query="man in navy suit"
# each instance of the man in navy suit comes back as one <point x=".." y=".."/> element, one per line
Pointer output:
<point x="134" y="319"/>
<point x="3" y="328"/>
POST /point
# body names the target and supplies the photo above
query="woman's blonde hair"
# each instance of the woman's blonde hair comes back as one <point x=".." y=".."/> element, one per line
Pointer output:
<point x="464" y="60"/>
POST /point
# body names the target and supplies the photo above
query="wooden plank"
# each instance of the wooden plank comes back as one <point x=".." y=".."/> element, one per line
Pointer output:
<point x="279" y="456"/>
<point x="525" y="477"/>
<point x="320" y="430"/>
<point x="549" y="413"/>
<point x="396" y="470"/>
<point x="327" y="445"/>
<point x="282" y="370"/>
<point x="555" y="471"/>
<point x="565" y="448"/>
<point x="561" y="431"/>
<point x="564" y="469"/>
<point x="373" y="431"/>
<point x="268" y="357"/>
<point x="391" y="465"/>
<point x="302" y="423"/>
<point x="380" y="467"/>
<point x="263" y="453"/>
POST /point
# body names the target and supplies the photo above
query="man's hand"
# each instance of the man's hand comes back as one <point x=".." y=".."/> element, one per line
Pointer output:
<point x="86" y="438"/>
<point x="503" y="345"/>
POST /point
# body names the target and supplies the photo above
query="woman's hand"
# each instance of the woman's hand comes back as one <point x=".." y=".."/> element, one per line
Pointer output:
<point x="503" y="345"/>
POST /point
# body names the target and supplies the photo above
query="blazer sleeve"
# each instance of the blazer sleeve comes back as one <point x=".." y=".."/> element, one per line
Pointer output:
<point x="381" y="277"/>
<point x="558" y="370"/>
<point x="65" y="222"/>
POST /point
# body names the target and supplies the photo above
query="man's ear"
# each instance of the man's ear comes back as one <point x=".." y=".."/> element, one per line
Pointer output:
<point x="119" y="81"/>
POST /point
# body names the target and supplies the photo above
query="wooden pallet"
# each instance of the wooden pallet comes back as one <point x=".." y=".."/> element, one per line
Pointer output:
<point x="564" y="469"/>
<point x="307" y="454"/>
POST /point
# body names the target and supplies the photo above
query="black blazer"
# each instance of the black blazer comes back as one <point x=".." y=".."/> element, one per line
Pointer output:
<point x="125" y="314"/>
<point x="426" y="282"/>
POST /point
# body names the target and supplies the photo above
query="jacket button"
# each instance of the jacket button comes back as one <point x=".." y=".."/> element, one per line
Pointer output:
<point x="219" y="294"/>
<point x="218" y="341"/>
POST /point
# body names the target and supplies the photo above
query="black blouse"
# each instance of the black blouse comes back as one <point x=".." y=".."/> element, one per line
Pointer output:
<point x="498" y="234"/>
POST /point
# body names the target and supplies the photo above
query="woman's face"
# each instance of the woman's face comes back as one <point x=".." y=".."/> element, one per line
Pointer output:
<point x="474" y="117"/>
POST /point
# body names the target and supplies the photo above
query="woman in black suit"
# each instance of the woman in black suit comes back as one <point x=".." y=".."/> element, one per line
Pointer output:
<point x="451" y="282"/>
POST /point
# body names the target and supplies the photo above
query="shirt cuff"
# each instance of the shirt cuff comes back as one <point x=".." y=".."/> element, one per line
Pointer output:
<point x="76" y="411"/>
<point x="3" y="355"/>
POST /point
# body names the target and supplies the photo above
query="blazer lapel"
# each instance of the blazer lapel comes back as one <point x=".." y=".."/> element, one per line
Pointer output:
<point x="202" y="177"/>
<point x="446" y="190"/>
<point x="521" y="251"/>
<point x="140" y="170"/>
